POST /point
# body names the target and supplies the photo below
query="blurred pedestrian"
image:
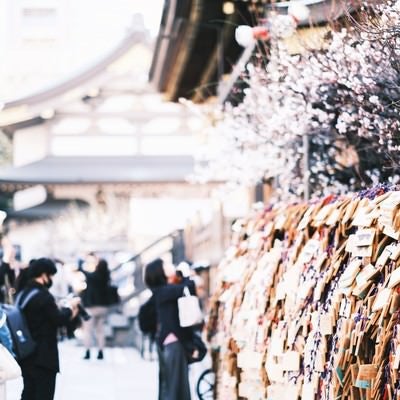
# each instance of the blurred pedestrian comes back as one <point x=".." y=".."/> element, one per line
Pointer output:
<point x="95" y="299"/>
<point x="171" y="338"/>
<point x="43" y="318"/>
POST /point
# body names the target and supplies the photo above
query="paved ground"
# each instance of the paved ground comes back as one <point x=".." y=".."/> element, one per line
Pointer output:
<point x="123" y="375"/>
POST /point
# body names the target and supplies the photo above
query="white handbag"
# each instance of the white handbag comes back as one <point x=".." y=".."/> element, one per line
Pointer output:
<point x="189" y="309"/>
<point x="9" y="368"/>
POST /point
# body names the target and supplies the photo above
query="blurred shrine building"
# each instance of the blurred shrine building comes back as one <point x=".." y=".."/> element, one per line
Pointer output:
<point x="103" y="159"/>
<point x="103" y="138"/>
<point x="116" y="135"/>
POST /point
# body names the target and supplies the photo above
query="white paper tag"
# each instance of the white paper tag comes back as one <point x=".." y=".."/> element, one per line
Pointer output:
<point x="366" y="274"/>
<point x="364" y="251"/>
<point x="250" y="360"/>
<point x="309" y="250"/>
<point x="308" y="391"/>
<point x="394" y="278"/>
<point x="334" y="217"/>
<point x="382" y="299"/>
<point x="326" y="324"/>
<point x="350" y="245"/>
<point x="291" y="361"/>
<point x="350" y="273"/>
<point x="389" y="231"/>
<point x="274" y="372"/>
<point x="277" y="342"/>
<point x="383" y="258"/>
<point x="396" y="362"/>
<point x="364" y="237"/>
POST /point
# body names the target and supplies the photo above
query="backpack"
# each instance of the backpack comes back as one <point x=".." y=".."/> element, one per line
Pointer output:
<point x="5" y="337"/>
<point x="23" y="343"/>
<point x="148" y="317"/>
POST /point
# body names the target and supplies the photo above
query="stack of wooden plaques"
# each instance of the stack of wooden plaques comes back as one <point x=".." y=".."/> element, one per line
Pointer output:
<point x="307" y="302"/>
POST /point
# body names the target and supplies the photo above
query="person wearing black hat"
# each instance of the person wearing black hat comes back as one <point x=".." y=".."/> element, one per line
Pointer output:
<point x="43" y="318"/>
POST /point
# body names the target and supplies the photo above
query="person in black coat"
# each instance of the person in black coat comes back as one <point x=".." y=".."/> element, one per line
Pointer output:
<point x="43" y="318"/>
<point x="172" y="339"/>
<point x="95" y="300"/>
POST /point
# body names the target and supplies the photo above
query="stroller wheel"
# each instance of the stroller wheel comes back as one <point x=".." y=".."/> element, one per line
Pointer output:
<point x="205" y="385"/>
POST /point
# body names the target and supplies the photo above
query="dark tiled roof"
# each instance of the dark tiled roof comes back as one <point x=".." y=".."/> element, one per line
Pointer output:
<point x="68" y="170"/>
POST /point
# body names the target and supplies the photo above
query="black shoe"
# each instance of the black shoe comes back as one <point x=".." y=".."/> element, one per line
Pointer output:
<point x="87" y="355"/>
<point x="100" y="355"/>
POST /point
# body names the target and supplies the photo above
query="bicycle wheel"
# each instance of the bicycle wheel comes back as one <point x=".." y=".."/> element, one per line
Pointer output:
<point x="205" y="385"/>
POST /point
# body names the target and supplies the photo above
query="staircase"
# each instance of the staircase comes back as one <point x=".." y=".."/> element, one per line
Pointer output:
<point x="122" y="327"/>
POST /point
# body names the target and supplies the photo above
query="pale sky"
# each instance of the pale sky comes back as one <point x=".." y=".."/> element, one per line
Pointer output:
<point x="152" y="12"/>
<point x="37" y="50"/>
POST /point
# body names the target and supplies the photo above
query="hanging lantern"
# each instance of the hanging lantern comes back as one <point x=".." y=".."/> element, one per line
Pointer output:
<point x="246" y="35"/>
<point x="298" y="11"/>
<point x="279" y="25"/>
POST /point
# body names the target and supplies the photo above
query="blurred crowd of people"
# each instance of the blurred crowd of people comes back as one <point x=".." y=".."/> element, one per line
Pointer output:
<point x="54" y="299"/>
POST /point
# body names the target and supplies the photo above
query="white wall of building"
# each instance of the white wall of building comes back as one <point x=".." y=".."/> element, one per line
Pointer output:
<point x="30" y="145"/>
<point x="151" y="218"/>
<point x="34" y="239"/>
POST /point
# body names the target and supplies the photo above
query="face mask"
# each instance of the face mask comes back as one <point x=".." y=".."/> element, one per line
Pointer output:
<point x="49" y="282"/>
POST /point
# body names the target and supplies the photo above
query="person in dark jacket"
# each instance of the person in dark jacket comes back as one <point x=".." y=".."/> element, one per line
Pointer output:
<point x="95" y="300"/>
<point x="43" y="318"/>
<point x="171" y="338"/>
<point x="7" y="273"/>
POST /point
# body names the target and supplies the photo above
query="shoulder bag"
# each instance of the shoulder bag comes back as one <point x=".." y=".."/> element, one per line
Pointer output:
<point x="190" y="313"/>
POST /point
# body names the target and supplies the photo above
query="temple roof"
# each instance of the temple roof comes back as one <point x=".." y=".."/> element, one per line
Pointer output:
<point x="28" y="110"/>
<point x="87" y="170"/>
